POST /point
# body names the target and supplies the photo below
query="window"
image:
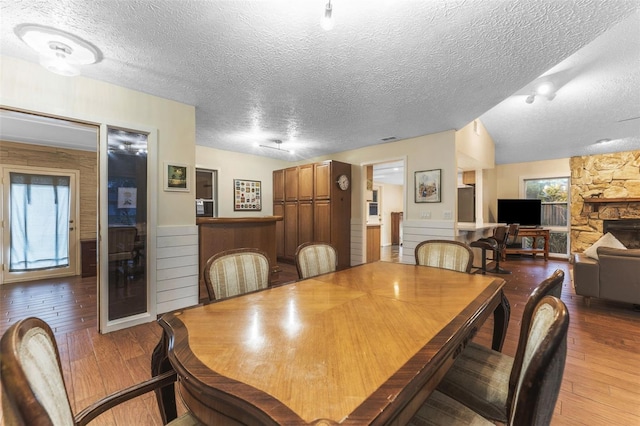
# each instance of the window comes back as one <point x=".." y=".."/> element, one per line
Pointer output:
<point x="554" y="193"/>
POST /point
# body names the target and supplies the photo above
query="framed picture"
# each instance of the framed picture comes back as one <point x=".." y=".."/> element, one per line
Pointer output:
<point x="427" y="189"/>
<point x="127" y="198"/>
<point x="247" y="195"/>
<point x="176" y="177"/>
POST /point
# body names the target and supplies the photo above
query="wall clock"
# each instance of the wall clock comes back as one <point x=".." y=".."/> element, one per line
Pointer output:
<point x="343" y="182"/>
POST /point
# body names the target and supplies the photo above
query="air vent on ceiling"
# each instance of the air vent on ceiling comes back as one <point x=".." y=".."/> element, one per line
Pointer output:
<point x="390" y="138"/>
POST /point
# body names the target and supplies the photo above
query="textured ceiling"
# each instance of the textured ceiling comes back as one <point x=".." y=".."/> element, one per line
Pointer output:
<point x="263" y="70"/>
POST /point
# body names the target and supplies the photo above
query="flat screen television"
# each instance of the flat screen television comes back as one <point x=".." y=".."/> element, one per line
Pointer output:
<point x="521" y="211"/>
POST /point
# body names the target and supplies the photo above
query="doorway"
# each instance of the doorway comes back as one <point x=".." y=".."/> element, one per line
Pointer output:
<point x="384" y="201"/>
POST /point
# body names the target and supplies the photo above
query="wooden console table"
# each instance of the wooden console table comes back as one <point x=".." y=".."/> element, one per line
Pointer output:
<point x="535" y="233"/>
<point x="224" y="233"/>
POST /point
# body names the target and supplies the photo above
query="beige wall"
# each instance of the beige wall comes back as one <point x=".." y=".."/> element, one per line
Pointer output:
<point x="474" y="147"/>
<point x="509" y="176"/>
<point x="18" y="154"/>
<point x="436" y="151"/>
<point x="234" y="165"/>
<point x="28" y="86"/>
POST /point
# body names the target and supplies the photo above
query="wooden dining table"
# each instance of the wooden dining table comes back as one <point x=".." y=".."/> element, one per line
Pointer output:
<point x="364" y="345"/>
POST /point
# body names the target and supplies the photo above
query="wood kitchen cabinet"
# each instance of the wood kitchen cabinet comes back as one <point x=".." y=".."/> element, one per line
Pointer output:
<point x="278" y="186"/>
<point x="291" y="184"/>
<point x="315" y="208"/>
<point x="373" y="243"/>
<point x="305" y="182"/>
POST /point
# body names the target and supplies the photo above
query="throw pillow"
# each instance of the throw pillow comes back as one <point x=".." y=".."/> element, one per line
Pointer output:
<point x="607" y="240"/>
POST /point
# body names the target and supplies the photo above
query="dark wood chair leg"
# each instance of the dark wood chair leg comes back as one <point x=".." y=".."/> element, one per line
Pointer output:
<point x="167" y="395"/>
<point x="500" y="322"/>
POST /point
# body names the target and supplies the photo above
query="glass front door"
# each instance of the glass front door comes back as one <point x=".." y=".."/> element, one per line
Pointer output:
<point x="41" y="232"/>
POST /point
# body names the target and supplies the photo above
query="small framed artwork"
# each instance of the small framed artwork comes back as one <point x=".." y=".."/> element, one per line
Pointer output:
<point x="247" y="195"/>
<point x="427" y="189"/>
<point x="176" y="177"/>
<point x="127" y="198"/>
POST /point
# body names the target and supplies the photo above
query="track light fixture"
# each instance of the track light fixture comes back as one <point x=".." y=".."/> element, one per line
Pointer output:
<point x="278" y="142"/>
<point x="545" y="89"/>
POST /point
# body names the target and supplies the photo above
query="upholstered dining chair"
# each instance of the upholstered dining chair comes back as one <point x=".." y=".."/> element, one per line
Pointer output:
<point x="486" y="380"/>
<point x="444" y="254"/>
<point x="122" y="241"/>
<point x="537" y="384"/>
<point x="33" y="386"/>
<point x="315" y="259"/>
<point x="237" y="271"/>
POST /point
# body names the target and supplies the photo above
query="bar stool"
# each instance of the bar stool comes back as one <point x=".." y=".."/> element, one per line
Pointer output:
<point x="496" y="243"/>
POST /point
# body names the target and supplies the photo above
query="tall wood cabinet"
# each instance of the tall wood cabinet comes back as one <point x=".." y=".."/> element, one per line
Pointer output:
<point x="314" y="208"/>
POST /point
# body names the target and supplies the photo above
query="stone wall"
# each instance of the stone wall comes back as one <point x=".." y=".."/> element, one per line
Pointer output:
<point x="605" y="176"/>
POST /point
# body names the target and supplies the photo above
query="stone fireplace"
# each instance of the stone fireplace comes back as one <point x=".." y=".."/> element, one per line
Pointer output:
<point x="627" y="231"/>
<point x="605" y="189"/>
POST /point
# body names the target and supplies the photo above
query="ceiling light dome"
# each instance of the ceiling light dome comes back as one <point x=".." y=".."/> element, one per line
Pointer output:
<point x="59" y="51"/>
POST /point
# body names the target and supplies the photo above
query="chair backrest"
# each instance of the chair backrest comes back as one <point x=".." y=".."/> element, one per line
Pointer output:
<point x="501" y="235"/>
<point x="315" y="258"/>
<point x="551" y="286"/>
<point x="238" y="271"/>
<point x="513" y="232"/>
<point x="32" y="381"/>
<point x="539" y="382"/>
<point x="444" y="254"/>
<point x="122" y="239"/>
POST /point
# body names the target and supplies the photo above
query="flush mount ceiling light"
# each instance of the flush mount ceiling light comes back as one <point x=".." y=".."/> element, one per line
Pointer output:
<point x="327" y="20"/>
<point x="278" y="142"/>
<point x="59" y="51"/>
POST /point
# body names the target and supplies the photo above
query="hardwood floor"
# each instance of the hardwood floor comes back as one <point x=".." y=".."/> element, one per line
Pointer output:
<point x="601" y="384"/>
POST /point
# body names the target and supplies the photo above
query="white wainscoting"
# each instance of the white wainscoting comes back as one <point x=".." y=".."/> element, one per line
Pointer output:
<point x="416" y="231"/>
<point x="176" y="267"/>
<point x="357" y="242"/>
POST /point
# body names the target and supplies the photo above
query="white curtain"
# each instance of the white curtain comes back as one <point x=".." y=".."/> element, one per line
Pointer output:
<point x="39" y="222"/>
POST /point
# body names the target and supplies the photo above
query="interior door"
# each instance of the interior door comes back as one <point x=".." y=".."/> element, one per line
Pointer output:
<point x="40" y="233"/>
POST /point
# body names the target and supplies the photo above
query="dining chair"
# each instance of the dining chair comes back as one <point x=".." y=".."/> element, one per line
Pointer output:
<point x="314" y="258"/>
<point x="33" y="386"/>
<point x="122" y="241"/>
<point x="236" y="271"/>
<point x="537" y="384"/>
<point x="485" y="380"/>
<point x="445" y="254"/>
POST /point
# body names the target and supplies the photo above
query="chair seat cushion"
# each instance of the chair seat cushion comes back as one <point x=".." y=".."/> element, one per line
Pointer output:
<point x="185" y="420"/>
<point x="439" y="410"/>
<point x="479" y="378"/>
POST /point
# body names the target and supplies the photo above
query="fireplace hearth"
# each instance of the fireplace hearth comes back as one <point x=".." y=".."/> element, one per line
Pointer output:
<point x="625" y="230"/>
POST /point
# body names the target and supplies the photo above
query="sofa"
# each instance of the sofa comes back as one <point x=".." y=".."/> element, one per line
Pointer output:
<point x="615" y="275"/>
